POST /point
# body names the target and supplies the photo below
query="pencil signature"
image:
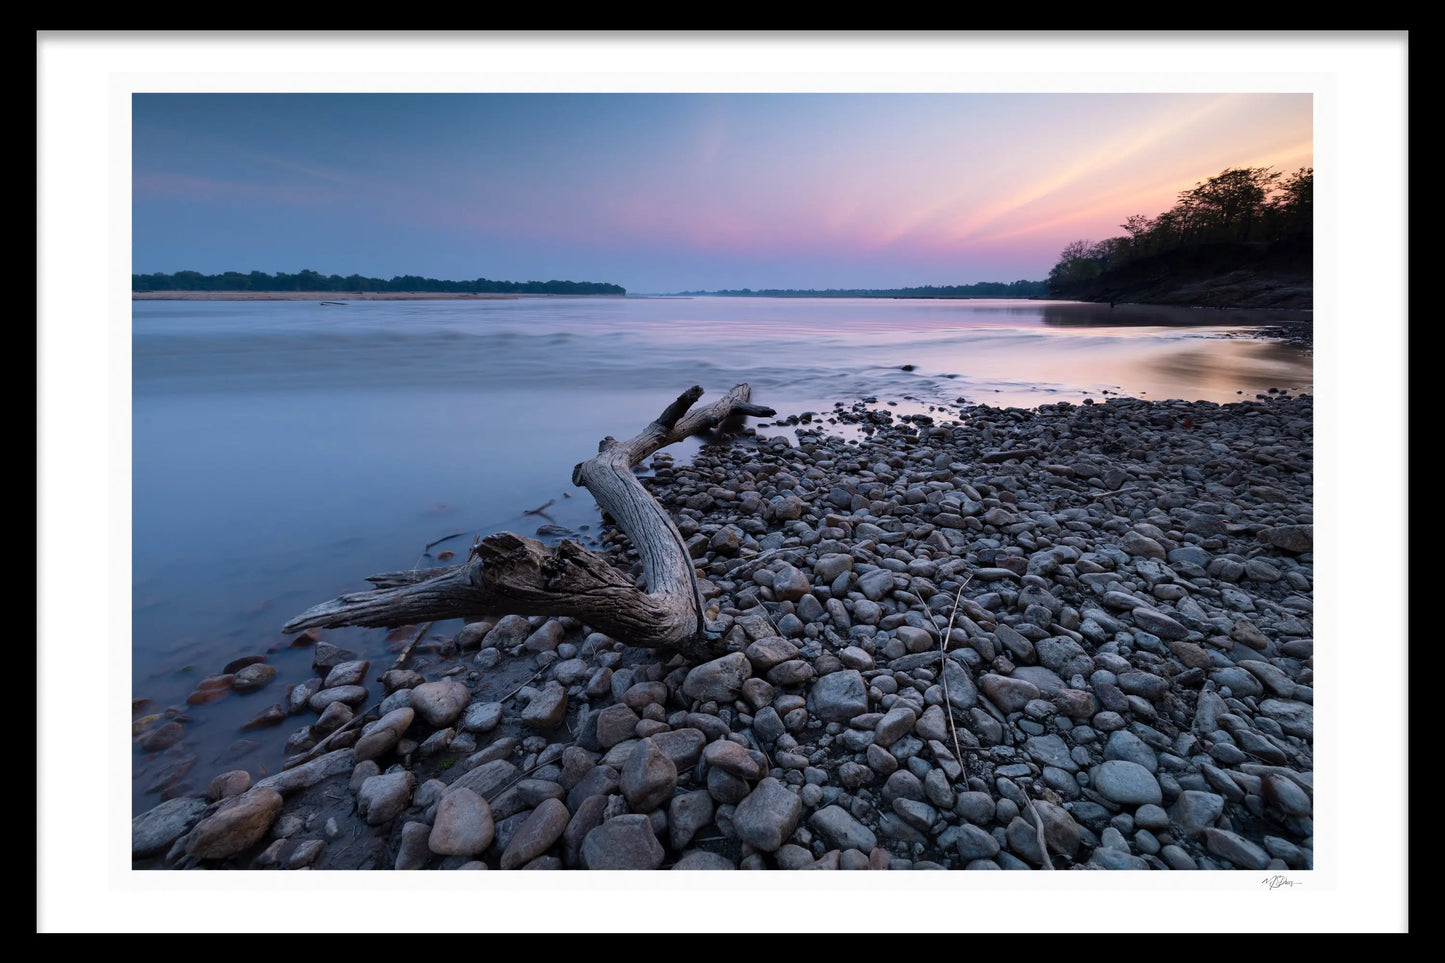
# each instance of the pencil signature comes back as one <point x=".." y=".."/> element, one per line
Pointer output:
<point x="1276" y="881"/>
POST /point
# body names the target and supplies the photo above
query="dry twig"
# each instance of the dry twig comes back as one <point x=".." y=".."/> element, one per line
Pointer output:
<point x="1039" y="831"/>
<point x="943" y="668"/>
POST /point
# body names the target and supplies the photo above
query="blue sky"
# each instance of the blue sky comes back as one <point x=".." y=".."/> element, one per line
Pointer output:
<point x="665" y="192"/>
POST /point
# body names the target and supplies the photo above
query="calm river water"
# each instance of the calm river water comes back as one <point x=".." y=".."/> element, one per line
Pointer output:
<point x="284" y="450"/>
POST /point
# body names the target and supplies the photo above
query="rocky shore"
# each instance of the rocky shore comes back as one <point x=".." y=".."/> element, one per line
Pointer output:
<point x="1076" y="637"/>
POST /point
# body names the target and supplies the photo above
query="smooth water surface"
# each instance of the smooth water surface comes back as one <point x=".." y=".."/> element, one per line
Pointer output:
<point x="284" y="450"/>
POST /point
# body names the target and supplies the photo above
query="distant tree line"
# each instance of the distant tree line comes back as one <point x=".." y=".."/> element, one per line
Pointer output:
<point x="1240" y="210"/>
<point x="312" y="281"/>
<point x="983" y="289"/>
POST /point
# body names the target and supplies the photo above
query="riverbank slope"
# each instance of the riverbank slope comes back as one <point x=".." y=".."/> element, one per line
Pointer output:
<point x="1213" y="275"/>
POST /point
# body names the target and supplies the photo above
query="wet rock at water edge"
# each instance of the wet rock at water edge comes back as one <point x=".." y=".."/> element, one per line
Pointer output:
<point x="239" y="823"/>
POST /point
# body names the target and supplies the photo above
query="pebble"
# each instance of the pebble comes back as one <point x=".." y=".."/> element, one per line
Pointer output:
<point x="252" y="677"/>
<point x="622" y="842"/>
<point x="841" y="830"/>
<point x="542" y="827"/>
<point x="239" y="823"/>
<point x="838" y="697"/>
<point x="1126" y="783"/>
<point x="648" y="777"/>
<point x="1243" y="853"/>
<point x="767" y="816"/>
<point x="720" y="680"/>
<point x="382" y="797"/>
<point x="1009" y="694"/>
<point x="463" y="825"/>
<point x="349" y="694"/>
<point x="547" y="708"/>
<point x="153" y="831"/>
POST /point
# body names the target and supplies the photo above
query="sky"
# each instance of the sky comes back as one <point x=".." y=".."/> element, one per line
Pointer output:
<point x="667" y="192"/>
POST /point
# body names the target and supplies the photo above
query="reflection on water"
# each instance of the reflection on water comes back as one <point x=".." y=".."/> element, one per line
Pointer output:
<point x="1104" y="315"/>
<point x="284" y="450"/>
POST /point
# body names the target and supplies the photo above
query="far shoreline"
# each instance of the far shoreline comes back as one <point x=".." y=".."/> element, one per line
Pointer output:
<point x="346" y="296"/>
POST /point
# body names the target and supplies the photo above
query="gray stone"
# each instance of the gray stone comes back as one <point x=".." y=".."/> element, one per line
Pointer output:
<point x="383" y="735"/>
<point x="616" y="723"/>
<point x="1271" y="676"/>
<point x="623" y="842"/>
<point x="412" y="851"/>
<point x="1195" y="810"/>
<point x="958" y="683"/>
<point x="1075" y="703"/>
<point x="547" y="709"/>
<point x="546" y="638"/>
<point x="838" y="696"/>
<point x="1292" y="538"/>
<point x="1235" y="848"/>
<point x="720" y="680"/>
<point x="1045" y="679"/>
<point x="1144" y="684"/>
<point x="704" y="860"/>
<point x="487" y="779"/>
<point x="896" y="723"/>
<point x="542" y="827"/>
<point x="463" y="825"/>
<point x="238" y="824"/>
<point x="1050" y="750"/>
<point x="974" y="843"/>
<point x="352" y="672"/>
<point x="1061" y="832"/>
<point x="876" y="585"/>
<point x="976" y="807"/>
<point x="383" y="797"/>
<point x="509" y="632"/>
<point x="836" y="825"/>
<point x="350" y="694"/>
<point x="1126" y="783"/>
<point x="773" y="650"/>
<point x="789" y="584"/>
<point x="768" y="815"/>
<point x="1152" y="620"/>
<point x="156" y="829"/>
<point x="826" y="568"/>
<point x="683" y="746"/>
<point x="1286" y="796"/>
<point x="440" y="703"/>
<point x="252" y="677"/>
<point x="1064" y="656"/>
<point x="1113" y="859"/>
<point x="648" y="777"/>
<point x="1008" y="693"/>
<point x="228" y="784"/>
<point x="1176" y="858"/>
<point x="686" y="814"/>
<point x="1141" y="545"/>
<point x="1241" y="683"/>
<point x="481" y="716"/>
<point x="1123" y="744"/>
<point x="731" y="757"/>
<point x="1295" y="718"/>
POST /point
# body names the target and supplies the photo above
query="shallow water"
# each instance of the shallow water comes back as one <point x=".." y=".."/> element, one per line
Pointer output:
<point x="284" y="450"/>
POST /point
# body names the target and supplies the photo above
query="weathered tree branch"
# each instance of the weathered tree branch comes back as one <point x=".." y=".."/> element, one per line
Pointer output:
<point x="510" y="574"/>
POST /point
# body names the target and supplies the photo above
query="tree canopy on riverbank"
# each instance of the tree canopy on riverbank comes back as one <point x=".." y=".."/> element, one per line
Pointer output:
<point x="1242" y="218"/>
<point x="307" y="280"/>
<point x="982" y="289"/>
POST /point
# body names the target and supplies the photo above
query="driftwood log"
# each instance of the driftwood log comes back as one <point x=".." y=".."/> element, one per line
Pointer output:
<point x="508" y="574"/>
